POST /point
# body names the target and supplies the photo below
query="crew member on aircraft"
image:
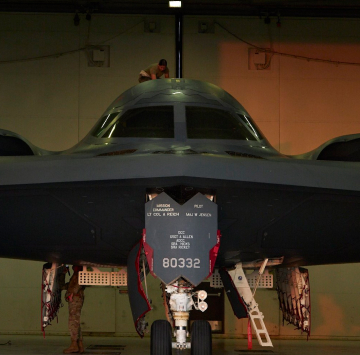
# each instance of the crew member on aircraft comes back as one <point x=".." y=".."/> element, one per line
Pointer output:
<point x="154" y="71"/>
<point x="75" y="298"/>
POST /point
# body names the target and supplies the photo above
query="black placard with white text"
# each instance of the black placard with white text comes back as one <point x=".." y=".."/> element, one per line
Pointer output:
<point x="181" y="237"/>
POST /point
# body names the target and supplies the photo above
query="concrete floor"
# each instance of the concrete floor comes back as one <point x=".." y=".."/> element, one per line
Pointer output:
<point x="54" y="345"/>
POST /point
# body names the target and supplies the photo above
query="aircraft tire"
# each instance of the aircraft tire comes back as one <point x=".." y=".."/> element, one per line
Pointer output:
<point x="161" y="338"/>
<point x="201" y="339"/>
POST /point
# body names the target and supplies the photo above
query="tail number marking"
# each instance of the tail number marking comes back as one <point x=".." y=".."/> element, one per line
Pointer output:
<point x="181" y="263"/>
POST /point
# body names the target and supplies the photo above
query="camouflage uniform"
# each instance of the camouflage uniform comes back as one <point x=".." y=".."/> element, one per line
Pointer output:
<point x="75" y="298"/>
<point x="145" y="74"/>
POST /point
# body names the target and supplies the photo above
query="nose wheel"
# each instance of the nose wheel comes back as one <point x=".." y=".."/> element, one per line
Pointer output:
<point x="201" y="338"/>
<point x="161" y="338"/>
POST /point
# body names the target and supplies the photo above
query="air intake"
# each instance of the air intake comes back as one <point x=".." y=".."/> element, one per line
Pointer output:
<point x="173" y="151"/>
<point x="118" y="152"/>
<point x="242" y="155"/>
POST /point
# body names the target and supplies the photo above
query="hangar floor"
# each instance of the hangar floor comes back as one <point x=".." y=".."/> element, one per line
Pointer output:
<point x="54" y="345"/>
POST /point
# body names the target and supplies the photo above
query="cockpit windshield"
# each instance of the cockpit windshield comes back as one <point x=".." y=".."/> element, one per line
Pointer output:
<point x="158" y="122"/>
<point x="144" y="122"/>
<point x="251" y="126"/>
<point x="103" y="124"/>
<point x="213" y="123"/>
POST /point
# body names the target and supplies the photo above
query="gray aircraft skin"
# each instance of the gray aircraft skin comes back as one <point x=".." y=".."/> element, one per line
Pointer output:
<point x="85" y="205"/>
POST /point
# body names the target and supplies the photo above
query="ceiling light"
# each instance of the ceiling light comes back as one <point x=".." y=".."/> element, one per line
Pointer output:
<point x="174" y="3"/>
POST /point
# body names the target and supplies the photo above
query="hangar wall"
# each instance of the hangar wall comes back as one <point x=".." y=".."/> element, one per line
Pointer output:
<point x="334" y="303"/>
<point x="299" y="104"/>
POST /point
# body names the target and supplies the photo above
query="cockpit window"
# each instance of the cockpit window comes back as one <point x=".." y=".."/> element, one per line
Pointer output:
<point x="251" y="126"/>
<point x="103" y="124"/>
<point x="213" y="123"/>
<point x="144" y="122"/>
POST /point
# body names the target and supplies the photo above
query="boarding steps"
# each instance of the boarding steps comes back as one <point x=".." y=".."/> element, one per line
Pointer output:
<point x="257" y="319"/>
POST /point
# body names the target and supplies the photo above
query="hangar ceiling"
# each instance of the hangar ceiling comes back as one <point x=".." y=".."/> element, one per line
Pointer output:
<point x="263" y="8"/>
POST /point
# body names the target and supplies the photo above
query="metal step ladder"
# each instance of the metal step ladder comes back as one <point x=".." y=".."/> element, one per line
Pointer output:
<point x="256" y="317"/>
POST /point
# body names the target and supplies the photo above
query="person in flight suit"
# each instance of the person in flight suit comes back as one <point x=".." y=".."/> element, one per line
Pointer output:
<point x="75" y="298"/>
<point x="154" y="71"/>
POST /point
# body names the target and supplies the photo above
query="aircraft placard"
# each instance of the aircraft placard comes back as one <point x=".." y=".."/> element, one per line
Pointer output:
<point x="181" y="237"/>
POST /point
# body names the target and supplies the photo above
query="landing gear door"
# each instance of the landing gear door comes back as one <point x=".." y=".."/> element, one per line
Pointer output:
<point x="139" y="302"/>
<point x="180" y="239"/>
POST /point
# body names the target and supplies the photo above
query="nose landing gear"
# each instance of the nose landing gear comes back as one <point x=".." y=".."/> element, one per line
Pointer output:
<point x="161" y="338"/>
<point x="201" y="338"/>
<point x="182" y="300"/>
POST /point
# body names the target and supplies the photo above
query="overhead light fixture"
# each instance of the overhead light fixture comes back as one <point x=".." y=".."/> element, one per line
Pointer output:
<point x="174" y="3"/>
